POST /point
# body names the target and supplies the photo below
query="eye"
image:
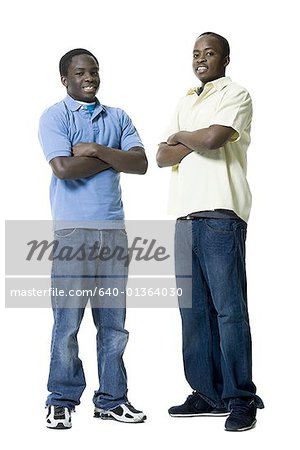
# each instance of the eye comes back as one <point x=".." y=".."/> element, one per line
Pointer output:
<point x="79" y="73"/>
<point x="195" y="55"/>
<point x="209" y="53"/>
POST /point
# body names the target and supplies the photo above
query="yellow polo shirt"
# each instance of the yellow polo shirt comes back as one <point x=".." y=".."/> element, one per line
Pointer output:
<point x="213" y="179"/>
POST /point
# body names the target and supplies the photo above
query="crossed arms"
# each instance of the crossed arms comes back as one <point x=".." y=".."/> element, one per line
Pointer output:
<point x="182" y="143"/>
<point x="92" y="158"/>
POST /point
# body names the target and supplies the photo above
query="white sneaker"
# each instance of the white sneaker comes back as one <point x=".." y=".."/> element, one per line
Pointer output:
<point x="122" y="413"/>
<point x="58" y="417"/>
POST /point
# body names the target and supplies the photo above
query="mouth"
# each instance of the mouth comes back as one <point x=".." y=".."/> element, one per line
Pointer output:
<point x="201" y="69"/>
<point x="89" y="89"/>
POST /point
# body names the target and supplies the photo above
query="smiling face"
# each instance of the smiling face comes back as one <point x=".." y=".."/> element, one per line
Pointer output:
<point x="209" y="61"/>
<point x="82" y="80"/>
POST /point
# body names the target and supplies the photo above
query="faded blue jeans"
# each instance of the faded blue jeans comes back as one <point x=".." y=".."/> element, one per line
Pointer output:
<point x="86" y="268"/>
<point x="216" y="333"/>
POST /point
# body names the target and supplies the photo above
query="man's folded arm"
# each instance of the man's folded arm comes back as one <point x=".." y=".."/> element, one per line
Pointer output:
<point x="210" y="138"/>
<point x="70" y="168"/>
<point x="132" y="161"/>
<point x="182" y="143"/>
<point x="170" y="155"/>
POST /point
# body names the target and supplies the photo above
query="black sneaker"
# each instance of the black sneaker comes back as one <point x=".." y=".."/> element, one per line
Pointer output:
<point x="122" y="413"/>
<point x="58" y="418"/>
<point x="242" y="416"/>
<point x="195" y="406"/>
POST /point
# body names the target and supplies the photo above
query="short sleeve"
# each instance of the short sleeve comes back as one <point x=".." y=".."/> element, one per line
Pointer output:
<point x="129" y="137"/>
<point x="53" y="135"/>
<point x="235" y="111"/>
<point x="173" y="126"/>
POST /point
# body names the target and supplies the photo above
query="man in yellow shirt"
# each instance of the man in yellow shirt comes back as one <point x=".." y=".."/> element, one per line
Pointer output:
<point x="209" y="194"/>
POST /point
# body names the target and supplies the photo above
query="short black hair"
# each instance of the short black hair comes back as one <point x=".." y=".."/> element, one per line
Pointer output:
<point x="224" y="43"/>
<point x="66" y="60"/>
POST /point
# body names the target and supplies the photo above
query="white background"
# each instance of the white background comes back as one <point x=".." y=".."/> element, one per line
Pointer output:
<point x="144" y="50"/>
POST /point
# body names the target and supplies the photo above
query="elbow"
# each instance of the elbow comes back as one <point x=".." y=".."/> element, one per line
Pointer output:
<point x="215" y="145"/>
<point x="60" y="175"/>
<point x="165" y="156"/>
<point x="212" y="143"/>
<point x="215" y="140"/>
<point x="139" y="168"/>
<point x="144" y="166"/>
<point x="144" y="170"/>
<point x="159" y="159"/>
<point x="59" y="170"/>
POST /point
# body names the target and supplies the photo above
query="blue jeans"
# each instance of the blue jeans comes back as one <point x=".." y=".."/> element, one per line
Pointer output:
<point x="81" y="278"/>
<point x="216" y="332"/>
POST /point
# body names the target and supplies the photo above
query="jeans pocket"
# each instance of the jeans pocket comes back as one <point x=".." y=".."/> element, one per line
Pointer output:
<point x="64" y="233"/>
<point x="221" y="225"/>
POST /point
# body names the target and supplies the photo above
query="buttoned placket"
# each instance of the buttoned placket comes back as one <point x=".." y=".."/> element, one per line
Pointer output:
<point x="89" y="124"/>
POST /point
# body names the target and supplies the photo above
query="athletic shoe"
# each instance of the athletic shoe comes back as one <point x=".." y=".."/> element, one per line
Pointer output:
<point x="242" y="416"/>
<point x="195" y="406"/>
<point x="58" y="418"/>
<point x="122" y="413"/>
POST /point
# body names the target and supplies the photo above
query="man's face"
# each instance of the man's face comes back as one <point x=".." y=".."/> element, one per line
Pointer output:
<point x="208" y="59"/>
<point x="82" y="81"/>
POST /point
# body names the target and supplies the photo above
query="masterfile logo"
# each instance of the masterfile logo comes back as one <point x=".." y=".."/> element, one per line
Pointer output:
<point x="145" y="250"/>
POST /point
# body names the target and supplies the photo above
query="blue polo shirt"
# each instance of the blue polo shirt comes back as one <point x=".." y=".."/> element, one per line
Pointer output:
<point x="98" y="197"/>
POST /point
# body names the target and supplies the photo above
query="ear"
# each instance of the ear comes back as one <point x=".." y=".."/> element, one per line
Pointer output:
<point x="226" y="60"/>
<point x="64" y="81"/>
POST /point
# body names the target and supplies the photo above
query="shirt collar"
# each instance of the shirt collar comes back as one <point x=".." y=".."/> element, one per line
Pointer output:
<point x="75" y="106"/>
<point x="218" y="84"/>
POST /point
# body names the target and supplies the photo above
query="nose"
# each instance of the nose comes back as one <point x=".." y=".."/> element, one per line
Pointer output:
<point x="201" y="57"/>
<point x="88" y="76"/>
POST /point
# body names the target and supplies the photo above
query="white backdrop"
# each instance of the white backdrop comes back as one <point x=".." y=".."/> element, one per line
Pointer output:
<point x="145" y="50"/>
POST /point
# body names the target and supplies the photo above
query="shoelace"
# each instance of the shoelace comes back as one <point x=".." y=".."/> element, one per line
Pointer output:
<point x="193" y="395"/>
<point x="59" y="410"/>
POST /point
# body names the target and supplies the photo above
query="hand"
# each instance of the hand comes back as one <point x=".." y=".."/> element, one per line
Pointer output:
<point x="84" y="149"/>
<point x="172" y="140"/>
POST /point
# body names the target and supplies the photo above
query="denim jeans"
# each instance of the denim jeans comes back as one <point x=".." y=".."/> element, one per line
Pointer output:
<point x="216" y="333"/>
<point x="81" y="278"/>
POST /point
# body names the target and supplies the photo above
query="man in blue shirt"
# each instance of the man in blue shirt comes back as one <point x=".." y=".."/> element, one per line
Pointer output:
<point x="87" y="145"/>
